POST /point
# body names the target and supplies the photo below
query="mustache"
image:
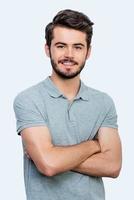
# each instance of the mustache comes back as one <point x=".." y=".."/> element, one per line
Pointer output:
<point x="68" y="60"/>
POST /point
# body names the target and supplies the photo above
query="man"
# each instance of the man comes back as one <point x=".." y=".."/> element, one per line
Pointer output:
<point x="69" y="131"/>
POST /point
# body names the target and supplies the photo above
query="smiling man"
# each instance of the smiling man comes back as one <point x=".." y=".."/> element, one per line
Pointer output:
<point x="68" y="52"/>
<point x="69" y="130"/>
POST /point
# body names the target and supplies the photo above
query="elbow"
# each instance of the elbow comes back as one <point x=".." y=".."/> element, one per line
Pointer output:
<point x="47" y="170"/>
<point x="115" y="171"/>
<point x="114" y="174"/>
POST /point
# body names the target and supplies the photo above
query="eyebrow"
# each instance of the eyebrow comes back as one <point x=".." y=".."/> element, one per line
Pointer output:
<point x="75" y="44"/>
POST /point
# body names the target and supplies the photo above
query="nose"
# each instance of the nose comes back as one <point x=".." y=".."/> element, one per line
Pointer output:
<point x="69" y="52"/>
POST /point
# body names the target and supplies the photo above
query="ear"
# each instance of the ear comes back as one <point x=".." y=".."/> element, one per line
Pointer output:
<point x="47" y="50"/>
<point x="88" y="52"/>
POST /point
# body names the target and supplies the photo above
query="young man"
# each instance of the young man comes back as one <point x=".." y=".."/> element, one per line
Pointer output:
<point x="69" y="130"/>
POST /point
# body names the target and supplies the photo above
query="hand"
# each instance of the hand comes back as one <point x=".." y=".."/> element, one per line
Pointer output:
<point x="96" y="142"/>
<point x="26" y="153"/>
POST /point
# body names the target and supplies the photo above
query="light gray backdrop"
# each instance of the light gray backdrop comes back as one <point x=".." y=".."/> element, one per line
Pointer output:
<point x="23" y="63"/>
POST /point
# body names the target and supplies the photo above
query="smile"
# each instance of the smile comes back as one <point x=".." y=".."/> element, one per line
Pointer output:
<point x="68" y="63"/>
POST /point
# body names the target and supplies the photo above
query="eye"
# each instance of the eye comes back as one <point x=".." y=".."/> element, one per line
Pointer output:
<point x="60" y="46"/>
<point x="78" y="47"/>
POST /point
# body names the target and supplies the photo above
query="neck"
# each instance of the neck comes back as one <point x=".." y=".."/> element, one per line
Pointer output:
<point x="69" y="87"/>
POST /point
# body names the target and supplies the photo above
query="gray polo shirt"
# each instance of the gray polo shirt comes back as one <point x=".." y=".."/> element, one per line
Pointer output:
<point x="69" y="123"/>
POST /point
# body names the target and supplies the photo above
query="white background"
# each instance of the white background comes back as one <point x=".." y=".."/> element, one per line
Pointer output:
<point x="23" y="63"/>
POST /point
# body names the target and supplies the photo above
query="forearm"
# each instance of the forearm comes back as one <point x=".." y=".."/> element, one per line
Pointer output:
<point x="66" y="158"/>
<point x="100" y="165"/>
<point x="60" y="159"/>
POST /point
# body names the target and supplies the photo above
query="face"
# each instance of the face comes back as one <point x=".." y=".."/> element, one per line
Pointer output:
<point x="68" y="52"/>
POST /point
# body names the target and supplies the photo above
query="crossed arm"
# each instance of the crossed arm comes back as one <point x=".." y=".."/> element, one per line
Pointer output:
<point x="101" y="157"/>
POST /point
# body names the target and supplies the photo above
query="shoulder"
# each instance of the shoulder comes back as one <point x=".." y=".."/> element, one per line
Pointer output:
<point x="31" y="95"/>
<point x="100" y="97"/>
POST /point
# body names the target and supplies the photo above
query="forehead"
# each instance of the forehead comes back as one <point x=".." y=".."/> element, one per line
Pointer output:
<point x="68" y="36"/>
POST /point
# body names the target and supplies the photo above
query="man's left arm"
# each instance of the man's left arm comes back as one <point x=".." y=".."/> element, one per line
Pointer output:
<point x="108" y="162"/>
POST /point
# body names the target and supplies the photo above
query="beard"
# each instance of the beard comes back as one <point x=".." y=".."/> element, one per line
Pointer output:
<point x="66" y="75"/>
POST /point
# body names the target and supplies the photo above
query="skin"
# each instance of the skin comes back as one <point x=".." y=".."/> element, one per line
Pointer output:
<point x="100" y="157"/>
<point x="70" y="50"/>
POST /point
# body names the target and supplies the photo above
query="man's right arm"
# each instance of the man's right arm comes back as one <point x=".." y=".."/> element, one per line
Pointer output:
<point x="51" y="160"/>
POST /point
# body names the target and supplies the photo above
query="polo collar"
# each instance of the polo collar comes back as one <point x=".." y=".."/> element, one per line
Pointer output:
<point x="54" y="92"/>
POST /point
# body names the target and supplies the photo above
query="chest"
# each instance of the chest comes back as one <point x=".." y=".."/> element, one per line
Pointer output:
<point x="72" y="123"/>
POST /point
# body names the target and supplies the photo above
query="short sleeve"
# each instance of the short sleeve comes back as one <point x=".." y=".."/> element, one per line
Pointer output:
<point x="110" y="119"/>
<point x="27" y="113"/>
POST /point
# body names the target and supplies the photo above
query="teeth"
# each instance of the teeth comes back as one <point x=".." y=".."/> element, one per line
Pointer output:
<point x="68" y="63"/>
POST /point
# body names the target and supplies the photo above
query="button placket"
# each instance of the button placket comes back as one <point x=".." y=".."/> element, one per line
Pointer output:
<point x="70" y="114"/>
<point x="72" y="121"/>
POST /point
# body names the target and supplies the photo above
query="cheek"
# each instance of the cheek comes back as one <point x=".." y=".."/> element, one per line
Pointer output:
<point x="56" y="55"/>
<point x="81" y="57"/>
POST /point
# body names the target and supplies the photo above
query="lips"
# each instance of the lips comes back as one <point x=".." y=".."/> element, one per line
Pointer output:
<point x="68" y="62"/>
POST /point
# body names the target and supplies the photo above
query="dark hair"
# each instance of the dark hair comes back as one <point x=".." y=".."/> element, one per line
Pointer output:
<point x="70" y="19"/>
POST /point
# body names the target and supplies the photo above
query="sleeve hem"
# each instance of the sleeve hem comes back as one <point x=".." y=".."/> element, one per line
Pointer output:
<point x="109" y="126"/>
<point x="28" y="126"/>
